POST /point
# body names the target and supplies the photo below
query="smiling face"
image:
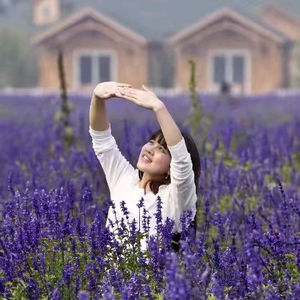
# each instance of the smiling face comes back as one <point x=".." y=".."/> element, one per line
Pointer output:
<point x="155" y="158"/>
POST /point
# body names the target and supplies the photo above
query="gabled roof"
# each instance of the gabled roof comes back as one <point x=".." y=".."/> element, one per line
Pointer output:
<point x="154" y="20"/>
<point x="229" y="13"/>
<point x="283" y="12"/>
<point x="82" y="15"/>
<point x="158" y="19"/>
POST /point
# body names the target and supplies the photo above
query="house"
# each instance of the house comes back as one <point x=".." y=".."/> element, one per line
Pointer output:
<point x="95" y="49"/>
<point x="230" y="48"/>
<point x="252" y="47"/>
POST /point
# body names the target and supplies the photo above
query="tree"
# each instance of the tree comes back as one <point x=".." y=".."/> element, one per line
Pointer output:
<point x="18" y="63"/>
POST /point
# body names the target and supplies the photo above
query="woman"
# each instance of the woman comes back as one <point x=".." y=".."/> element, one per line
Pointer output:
<point x="168" y="165"/>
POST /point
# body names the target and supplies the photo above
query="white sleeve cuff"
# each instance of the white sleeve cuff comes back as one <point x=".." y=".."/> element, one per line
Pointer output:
<point x="102" y="140"/>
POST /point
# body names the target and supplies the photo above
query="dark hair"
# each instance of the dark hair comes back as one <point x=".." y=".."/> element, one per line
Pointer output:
<point x="155" y="183"/>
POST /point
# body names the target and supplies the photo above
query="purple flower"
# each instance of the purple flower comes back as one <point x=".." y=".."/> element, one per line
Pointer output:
<point x="124" y="209"/>
<point x="56" y="295"/>
<point x="67" y="273"/>
<point x="83" y="295"/>
<point x="158" y="216"/>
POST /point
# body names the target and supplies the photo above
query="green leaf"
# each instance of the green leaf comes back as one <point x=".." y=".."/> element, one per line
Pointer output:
<point x="290" y="255"/>
<point x="225" y="203"/>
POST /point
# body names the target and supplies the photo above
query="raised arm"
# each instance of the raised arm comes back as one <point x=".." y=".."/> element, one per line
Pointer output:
<point x="98" y="114"/>
<point x="148" y="99"/>
<point x="102" y="92"/>
<point x="182" y="186"/>
<point x="181" y="172"/>
<point x="113" y="163"/>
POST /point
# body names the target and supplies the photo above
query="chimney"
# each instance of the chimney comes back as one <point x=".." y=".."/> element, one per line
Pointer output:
<point x="45" y="12"/>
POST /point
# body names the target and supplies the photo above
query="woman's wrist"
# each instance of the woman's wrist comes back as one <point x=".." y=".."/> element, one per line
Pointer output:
<point x="160" y="106"/>
<point x="167" y="124"/>
<point x="98" y="99"/>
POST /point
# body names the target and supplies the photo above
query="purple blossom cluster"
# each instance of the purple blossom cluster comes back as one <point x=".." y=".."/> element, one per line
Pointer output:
<point x="54" y="202"/>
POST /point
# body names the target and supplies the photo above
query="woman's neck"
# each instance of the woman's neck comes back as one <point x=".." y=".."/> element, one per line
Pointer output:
<point x="143" y="182"/>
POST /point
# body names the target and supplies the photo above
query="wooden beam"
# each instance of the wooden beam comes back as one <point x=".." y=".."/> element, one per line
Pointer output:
<point x="86" y="27"/>
<point x="97" y="17"/>
<point x="219" y="27"/>
<point x="218" y="15"/>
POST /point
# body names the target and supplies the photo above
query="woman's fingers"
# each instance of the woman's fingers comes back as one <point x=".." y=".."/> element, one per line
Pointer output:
<point x="130" y="89"/>
<point x="123" y="92"/>
<point x="132" y="99"/>
<point x="131" y="92"/>
<point x="145" y="88"/>
<point x="124" y="84"/>
<point x="127" y="94"/>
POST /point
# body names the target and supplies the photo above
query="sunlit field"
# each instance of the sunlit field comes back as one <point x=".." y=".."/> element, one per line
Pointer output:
<point x="54" y="201"/>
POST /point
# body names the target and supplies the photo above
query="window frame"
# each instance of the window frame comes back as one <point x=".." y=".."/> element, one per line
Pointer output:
<point x="95" y="55"/>
<point x="229" y="54"/>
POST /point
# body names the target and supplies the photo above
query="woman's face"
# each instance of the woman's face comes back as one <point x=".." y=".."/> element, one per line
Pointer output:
<point x="154" y="160"/>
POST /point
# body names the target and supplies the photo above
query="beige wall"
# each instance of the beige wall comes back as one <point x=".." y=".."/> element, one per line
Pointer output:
<point x="285" y="25"/>
<point x="290" y="27"/>
<point x="266" y="65"/>
<point x="131" y="60"/>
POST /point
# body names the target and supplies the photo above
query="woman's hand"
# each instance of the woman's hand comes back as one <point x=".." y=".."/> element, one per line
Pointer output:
<point x="145" y="98"/>
<point x="106" y="90"/>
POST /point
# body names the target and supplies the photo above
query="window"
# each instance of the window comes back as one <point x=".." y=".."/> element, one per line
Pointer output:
<point x="230" y="67"/>
<point x="238" y="69"/>
<point x="85" y="69"/>
<point x="104" y="68"/>
<point x="94" y="68"/>
<point x="219" y="69"/>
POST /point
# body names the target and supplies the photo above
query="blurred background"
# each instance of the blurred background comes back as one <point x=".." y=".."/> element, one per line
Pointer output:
<point x="242" y="47"/>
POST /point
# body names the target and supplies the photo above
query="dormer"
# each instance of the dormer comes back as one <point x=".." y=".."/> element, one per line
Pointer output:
<point x="46" y="12"/>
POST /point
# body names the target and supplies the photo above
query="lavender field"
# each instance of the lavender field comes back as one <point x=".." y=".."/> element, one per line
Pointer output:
<point x="54" y="201"/>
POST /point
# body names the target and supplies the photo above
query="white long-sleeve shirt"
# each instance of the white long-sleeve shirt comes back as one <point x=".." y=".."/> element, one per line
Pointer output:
<point x="123" y="182"/>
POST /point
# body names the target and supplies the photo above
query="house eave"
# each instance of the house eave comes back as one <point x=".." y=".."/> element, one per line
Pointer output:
<point x="224" y="12"/>
<point x="40" y="38"/>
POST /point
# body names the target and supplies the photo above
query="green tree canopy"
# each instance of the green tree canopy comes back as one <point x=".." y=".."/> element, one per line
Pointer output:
<point x="18" y="63"/>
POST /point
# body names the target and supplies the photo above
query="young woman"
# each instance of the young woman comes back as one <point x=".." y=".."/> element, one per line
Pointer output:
<point x="168" y="164"/>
